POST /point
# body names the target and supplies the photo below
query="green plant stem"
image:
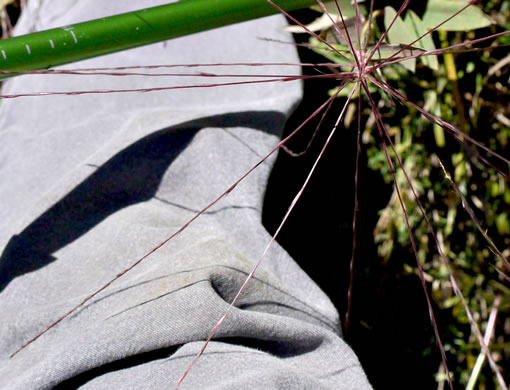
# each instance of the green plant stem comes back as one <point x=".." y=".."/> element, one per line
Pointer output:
<point x="80" y="41"/>
<point x="451" y="71"/>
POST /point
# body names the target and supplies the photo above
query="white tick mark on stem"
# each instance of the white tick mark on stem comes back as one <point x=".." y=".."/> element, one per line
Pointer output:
<point x="28" y="49"/>
<point x="74" y="36"/>
<point x="52" y="44"/>
<point x="4" y="55"/>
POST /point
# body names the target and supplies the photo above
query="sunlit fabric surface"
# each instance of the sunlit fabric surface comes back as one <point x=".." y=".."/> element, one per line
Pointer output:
<point x="90" y="183"/>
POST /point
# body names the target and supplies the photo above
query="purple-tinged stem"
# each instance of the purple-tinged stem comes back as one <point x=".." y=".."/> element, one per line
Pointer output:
<point x="353" y="50"/>
<point x="447" y="126"/>
<point x="189" y="222"/>
<point x="273" y="238"/>
<point x="356" y="5"/>
<point x="453" y="281"/>
<point x="168" y="66"/>
<point x="444" y="50"/>
<point x="153" y="89"/>
<point x="384" y="135"/>
<point x="383" y="37"/>
<point x="354" y="224"/>
<point x="335" y="25"/>
<point x="370" y="18"/>
<point x="428" y="32"/>
<point x="306" y="28"/>
<point x="299" y="154"/>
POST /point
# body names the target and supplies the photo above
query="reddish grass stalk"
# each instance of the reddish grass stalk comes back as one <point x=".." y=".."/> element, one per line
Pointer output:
<point x="444" y="50"/>
<point x="361" y="76"/>
<point x="386" y="138"/>
<point x="455" y="285"/>
<point x="273" y="238"/>
<point x="354" y="224"/>
<point x="445" y="125"/>
<point x="335" y="25"/>
<point x="312" y="138"/>
<point x="422" y="36"/>
<point x="346" y="35"/>
<point x="384" y="35"/>
<point x="155" y="89"/>
<point x="189" y="222"/>
<point x="93" y="71"/>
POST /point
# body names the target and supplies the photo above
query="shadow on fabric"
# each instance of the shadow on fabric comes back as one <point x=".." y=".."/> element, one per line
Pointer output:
<point x="131" y="176"/>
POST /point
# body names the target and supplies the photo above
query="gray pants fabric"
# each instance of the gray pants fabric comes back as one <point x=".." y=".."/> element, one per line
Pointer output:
<point x="90" y="183"/>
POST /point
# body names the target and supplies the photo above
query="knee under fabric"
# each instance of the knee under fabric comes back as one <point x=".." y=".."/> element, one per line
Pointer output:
<point x="91" y="183"/>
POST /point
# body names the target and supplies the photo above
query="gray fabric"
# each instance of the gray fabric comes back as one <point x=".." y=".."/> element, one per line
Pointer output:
<point x="90" y="183"/>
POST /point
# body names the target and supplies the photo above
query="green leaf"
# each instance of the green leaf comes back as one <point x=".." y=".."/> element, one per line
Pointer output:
<point x="386" y="51"/>
<point x="418" y="29"/>
<point x="383" y="52"/>
<point x="346" y="92"/>
<point x="431" y="101"/>
<point x="322" y="23"/>
<point x="471" y="18"/>
<point x="398" y="34"/>
<point x="346" y="6"/>
<point x="327" y="23"/>
<point x="324" y="50"/>
<point x="503" y="224"/>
